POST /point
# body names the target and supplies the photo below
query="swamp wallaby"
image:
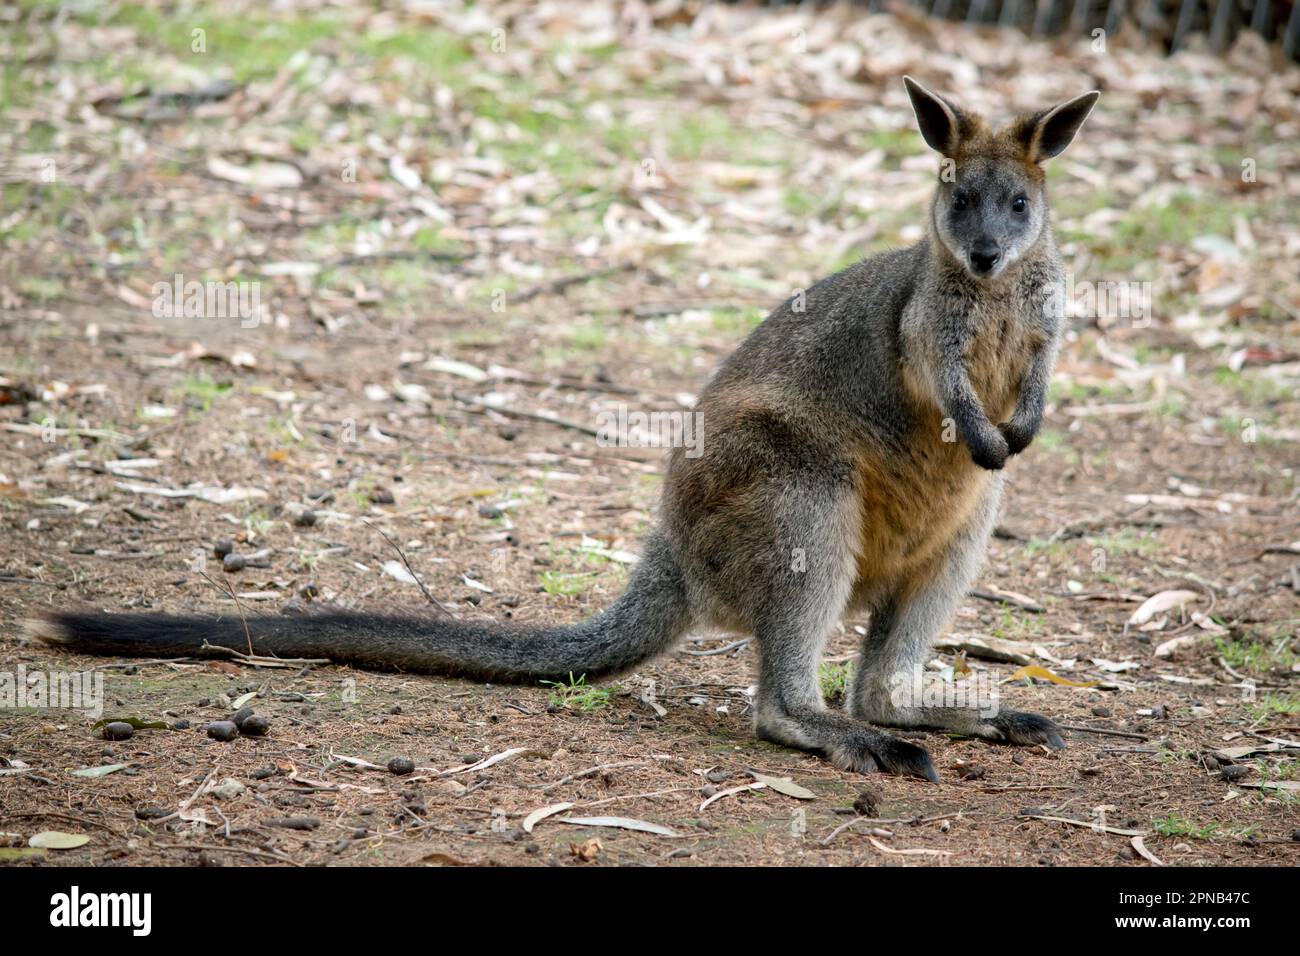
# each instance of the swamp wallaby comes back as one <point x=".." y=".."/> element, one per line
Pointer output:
<point x="851" y="461"/>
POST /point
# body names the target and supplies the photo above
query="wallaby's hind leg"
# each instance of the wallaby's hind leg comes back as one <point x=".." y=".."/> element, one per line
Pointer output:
<point x="807" y="584"/>
<point x="890" y="687"/>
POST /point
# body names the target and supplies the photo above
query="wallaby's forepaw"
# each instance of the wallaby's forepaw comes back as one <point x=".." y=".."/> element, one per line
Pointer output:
<point x="1017" y="435"/>
<point x="880" y="752"/>
<point x="990" y="450"/>
<point x="1026" y="730"/>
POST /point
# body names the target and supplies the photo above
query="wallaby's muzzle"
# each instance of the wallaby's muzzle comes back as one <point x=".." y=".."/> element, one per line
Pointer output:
<point x="984" y="257"/>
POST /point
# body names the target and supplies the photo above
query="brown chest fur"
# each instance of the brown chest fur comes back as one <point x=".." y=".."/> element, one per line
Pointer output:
<point x="913" y="505"/>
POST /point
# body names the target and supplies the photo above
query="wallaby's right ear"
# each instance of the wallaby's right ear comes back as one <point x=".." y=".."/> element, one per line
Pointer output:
<point x="941" y="123"/>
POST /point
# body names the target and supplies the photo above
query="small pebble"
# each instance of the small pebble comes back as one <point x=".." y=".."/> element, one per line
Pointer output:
<point x="228" y="789"/>
<point x="305" y="520"/>
<point x="118" y="730"/>
<point x="181" y="724"/>
<point x="223" y="730"/>
<point x="232" y="563"/>
<point x="1234" y="771"/>
<point x="401" y="766"/>
<point x="489" y="511"/>
<point x="223" y="547"/>
<point x="1101" y="710"/>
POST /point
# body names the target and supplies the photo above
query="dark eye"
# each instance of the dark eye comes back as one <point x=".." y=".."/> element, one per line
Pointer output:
<point x="1020" y="204"/>
<point x="959" y="202"/>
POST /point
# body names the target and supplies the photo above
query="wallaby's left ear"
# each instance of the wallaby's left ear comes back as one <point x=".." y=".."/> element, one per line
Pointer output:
<point x="1046" y="134"/>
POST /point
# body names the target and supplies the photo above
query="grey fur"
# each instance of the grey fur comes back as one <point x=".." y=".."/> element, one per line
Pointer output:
<point x="850" y="462"/>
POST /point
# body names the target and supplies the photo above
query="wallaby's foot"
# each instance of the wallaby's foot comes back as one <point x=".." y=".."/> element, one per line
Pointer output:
<point x="847" y="743"/>
<point x="1025" y="729"/>
<point x="1004" y="727"/>
<point x="871" y="750"/>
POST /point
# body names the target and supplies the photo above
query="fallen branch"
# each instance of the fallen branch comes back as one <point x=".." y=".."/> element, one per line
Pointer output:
<point x="998" y="596"/>
<point x="564" y="282"/>
<point x="1101" y="827"/>
<point x="546" y="417"/>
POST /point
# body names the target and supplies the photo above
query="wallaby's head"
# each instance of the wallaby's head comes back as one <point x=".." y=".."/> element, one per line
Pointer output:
<point x="991" y="204"/>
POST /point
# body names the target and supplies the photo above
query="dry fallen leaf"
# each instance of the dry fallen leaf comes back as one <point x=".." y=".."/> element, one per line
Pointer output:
<point x="586" y="852"/>
<point x="620" y="823"/>
<point x="1143" y="852"/>
<point x="1038" y="672"/>
<point x="784" y="785"/>
<point x="1158" y="604"/>
<point x="1171" y="647"/>
<point x="541" y="813"/>
<point x="57" y="840"/>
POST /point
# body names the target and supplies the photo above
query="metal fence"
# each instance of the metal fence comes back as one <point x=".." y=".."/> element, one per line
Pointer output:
<point x="1170" y="23"/>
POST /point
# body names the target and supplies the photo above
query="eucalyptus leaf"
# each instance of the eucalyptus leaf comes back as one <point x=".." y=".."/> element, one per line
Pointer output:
<point x="784" y="785"/>
<point x="622" y="823"/>
<point x="139" y="723"/>
<point x="57" y="840"/>
<point x="103" y="771"/>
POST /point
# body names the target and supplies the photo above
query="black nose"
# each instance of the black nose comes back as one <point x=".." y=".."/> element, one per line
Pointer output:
<point x="984" y="256"/>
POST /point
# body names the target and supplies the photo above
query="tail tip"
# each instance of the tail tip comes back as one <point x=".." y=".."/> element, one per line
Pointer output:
<point x="47" y="630"/>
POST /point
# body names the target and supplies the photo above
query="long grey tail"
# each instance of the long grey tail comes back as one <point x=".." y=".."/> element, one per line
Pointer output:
<point x="645" y="621"/>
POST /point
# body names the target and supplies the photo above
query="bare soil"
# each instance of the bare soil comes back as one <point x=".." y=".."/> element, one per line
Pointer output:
<point x="1149" y="478"/>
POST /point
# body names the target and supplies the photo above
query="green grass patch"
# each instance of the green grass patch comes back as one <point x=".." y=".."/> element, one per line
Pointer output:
<point x="577" y="694"/>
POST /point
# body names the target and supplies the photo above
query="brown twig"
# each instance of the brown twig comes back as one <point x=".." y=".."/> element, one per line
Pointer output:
<point x="248" y="635"/>
<point x="410" y="570"/>
<point x="1103" y="732"/>
<point x="546" y="417"/>
<point x="556" y="286"/>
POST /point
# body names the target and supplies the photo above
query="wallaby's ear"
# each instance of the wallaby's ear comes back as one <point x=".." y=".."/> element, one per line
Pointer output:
<point x="941" y="123"/>
<point x="1046" y="134"/>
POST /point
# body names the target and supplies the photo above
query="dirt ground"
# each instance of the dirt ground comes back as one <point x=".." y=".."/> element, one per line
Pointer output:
<point x="467" y="245"/>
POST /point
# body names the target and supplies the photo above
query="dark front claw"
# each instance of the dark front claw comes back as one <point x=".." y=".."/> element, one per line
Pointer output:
<point x="990" y="450"/>
<point x="1017" y="435"/>
<point x="1027" y="730"/>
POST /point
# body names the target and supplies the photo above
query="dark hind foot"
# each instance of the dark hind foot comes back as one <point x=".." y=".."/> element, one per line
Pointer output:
<point x="847" y="743"/>
<point x="1025" y="729"/>
<point x="868" y="751"/>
